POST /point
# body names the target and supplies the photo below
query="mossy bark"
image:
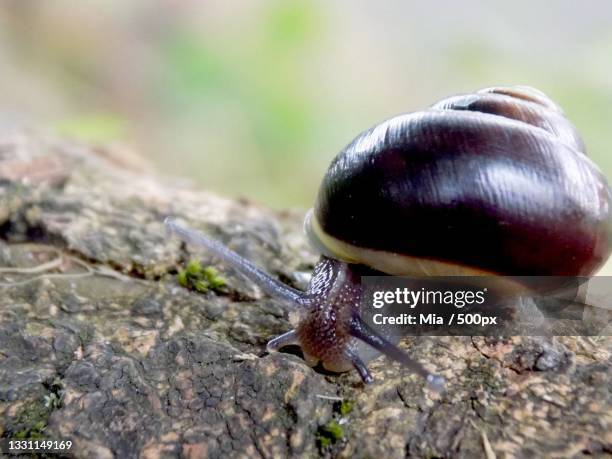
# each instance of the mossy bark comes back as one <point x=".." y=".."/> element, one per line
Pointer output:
<point x="100" y="344"/>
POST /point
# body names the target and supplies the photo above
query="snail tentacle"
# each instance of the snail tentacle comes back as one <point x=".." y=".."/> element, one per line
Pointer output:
<point x="363" y="332"/>
<point x="263" y="280"/>
<point x="360" y="366"/>
<point x="286" y="339"/>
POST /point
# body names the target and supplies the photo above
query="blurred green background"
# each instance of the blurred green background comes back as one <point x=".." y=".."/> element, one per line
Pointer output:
<point x="255" y="98"/>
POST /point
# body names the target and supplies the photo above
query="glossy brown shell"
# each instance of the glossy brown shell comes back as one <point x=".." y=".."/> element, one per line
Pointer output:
<point x="496" y="181"/>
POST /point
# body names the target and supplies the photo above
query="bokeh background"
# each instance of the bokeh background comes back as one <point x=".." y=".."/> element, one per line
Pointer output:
<point x="255" y="98"/>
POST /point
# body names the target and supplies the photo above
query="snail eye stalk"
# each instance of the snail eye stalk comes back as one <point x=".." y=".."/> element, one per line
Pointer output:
<point x="258" y="276"/>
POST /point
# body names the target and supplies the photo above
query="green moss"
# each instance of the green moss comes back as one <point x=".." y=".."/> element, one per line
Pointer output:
<point x="31" y="421"/>
<point x="201" y="279"/>
<point x="194" y="268"/>
<point x="214" y="279"/>
<point x="329" y="434"/>
<point x="346" y="406"/>
<point x="182" y="278"/>
<point x="323" y="442"/>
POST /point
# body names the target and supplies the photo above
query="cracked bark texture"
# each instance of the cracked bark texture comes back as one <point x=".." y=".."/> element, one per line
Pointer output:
<point x="100" y="345"/>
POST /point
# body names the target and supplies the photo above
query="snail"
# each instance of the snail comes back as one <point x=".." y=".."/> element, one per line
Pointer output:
<point x="496" y="182"/>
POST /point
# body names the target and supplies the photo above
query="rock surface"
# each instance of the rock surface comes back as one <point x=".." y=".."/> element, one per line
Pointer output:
<point x="99" y="343"/>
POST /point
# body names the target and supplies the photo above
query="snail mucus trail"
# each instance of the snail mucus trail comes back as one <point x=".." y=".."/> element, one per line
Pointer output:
<point x="493" y="183"/>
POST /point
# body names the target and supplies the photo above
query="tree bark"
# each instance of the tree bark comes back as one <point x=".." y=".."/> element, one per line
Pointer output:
<point x="100" y="344"/>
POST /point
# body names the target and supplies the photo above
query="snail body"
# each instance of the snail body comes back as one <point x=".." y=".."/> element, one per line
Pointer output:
<point x="492" y="183"/>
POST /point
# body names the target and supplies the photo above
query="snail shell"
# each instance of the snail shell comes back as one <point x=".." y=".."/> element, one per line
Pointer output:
<point x="495" y="182"/>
